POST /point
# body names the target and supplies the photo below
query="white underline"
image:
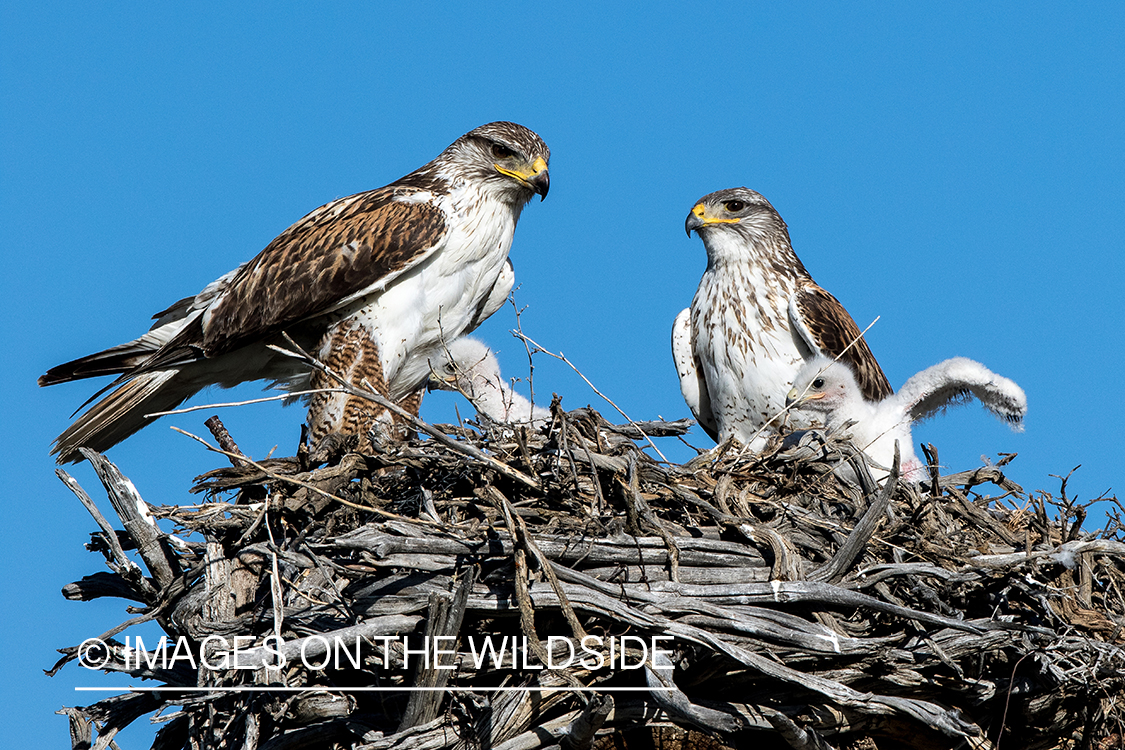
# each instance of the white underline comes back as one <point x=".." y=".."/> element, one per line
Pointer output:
<point x="325" y="689"/>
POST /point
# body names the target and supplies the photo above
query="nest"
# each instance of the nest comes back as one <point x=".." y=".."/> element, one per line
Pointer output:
<point x="790" y="607"/>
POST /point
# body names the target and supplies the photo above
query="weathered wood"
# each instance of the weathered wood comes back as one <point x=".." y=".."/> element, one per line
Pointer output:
<point x="580" y="733"/>
<point x="152" y="543"/>
<point x="225" y="441"/>
<point x="442" y="621"/>
<point x="101" y="584"/>
<point x="842" y="561"/>
<point x="799" y="599"/>
<point x="627" y="550"/>
<point x="121" y="564"/>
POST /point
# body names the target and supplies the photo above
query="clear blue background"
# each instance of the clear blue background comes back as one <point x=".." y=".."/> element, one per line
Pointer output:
<point x="954" y="168"/>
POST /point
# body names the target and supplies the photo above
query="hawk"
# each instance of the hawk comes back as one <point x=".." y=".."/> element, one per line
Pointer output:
<point x="756" y="316"/>
<point x="372" y="284"/>
<point x="829" y="389"/>
<point x="469" y="366"/>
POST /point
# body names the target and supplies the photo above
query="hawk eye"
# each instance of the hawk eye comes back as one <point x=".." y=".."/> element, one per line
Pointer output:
<point x="735" y="206"/>
<point x="818" y="383"/>
<point x="500" y="151"/>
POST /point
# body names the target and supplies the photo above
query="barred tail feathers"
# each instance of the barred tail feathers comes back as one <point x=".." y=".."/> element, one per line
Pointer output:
<point x="121" y="413"/>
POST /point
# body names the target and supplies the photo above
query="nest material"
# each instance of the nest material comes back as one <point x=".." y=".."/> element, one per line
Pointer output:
<point x="801" y="610"/>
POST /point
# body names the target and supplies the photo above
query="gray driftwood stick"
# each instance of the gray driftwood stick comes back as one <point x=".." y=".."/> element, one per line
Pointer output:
<point x="122" y="565"/>
<point x="134" y="512"/>
<point x="580" y="732"/>
<point x="446" y="612"/>
<point x="627" y="550"/>
<point x="842" y="561"/>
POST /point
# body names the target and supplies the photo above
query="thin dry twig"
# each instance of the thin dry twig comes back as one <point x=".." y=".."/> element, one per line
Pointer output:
<point x="298" y="483"/>
<point x="413" y="421"/>
<point x="560" y="356"/>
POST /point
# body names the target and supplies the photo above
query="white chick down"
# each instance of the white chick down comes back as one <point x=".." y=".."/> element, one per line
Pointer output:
<point x="828" y="390"/>
<point x="469" y="366"/>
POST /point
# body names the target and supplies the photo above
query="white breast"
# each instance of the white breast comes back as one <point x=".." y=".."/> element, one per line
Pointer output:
<point x="747" y="350"/>
<point x="438" y="300"/>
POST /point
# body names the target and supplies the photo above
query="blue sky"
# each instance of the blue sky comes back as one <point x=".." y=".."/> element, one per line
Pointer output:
<point x="954" y="169"/>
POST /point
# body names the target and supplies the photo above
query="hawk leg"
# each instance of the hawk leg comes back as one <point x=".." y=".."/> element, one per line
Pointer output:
<point x="411" y="404"/>
<point x="340" y="422"/>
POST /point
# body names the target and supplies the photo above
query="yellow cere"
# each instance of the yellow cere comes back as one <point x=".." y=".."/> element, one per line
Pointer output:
<point x="701" y="212"/>
<point x="514" y="174"/>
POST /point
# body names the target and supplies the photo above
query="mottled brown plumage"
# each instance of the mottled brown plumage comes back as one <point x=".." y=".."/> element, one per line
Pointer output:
<point x="756" y="316"/>
<point x="838" y="335"/>
<point x="352" y="355"/>
<point x="324" y="259"/>
<point x="387" y="275"/>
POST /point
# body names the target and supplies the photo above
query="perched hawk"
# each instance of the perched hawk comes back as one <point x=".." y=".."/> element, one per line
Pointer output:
<point x="756" y="316"/>
<point x="371" y="284"/>
<point x="469" y="366"/>
<point x="829" y="390"/>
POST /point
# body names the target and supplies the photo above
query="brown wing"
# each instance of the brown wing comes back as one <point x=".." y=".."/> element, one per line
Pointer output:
<point x="826" y="327"/>
<point x="335" y="252"/>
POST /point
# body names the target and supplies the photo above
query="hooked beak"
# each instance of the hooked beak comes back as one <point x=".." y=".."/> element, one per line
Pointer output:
<point x="439" y="383"/>
<point x="793" y="398"/>
<point x="538" y="178"/>
<point x="693" y="222"/>
<point x="698" y="219"/>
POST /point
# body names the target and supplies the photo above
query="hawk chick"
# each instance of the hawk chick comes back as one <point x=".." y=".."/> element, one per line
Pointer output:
<point x="469" y="366"/>
<point x="829" y="390"/>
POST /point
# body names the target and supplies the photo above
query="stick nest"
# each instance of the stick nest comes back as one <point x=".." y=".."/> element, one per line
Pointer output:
<point x="799" y="609"/>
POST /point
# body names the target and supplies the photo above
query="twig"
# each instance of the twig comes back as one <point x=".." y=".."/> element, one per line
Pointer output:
<point x="312" y="488"/>
<point x="607" y="399"/>
<point x="413" y="421"/>
<point x="266" y="399"/>
<point x="526" y="348"/>
<point x="277" y="593"/>
<point x="1008" y="699"/>
<point x="223" y="437"/>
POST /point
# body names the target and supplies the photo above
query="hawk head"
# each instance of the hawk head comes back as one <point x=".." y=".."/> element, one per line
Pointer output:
<point x="503" y="157"/>
<point x="736" y="215"/>
<point x="827" y="388"/>
<point x="465" y="365"/>
<point x="737" y="210"/>
<point x="739" y="226"/>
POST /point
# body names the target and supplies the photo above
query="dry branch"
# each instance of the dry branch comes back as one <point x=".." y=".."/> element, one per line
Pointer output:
<point x="798" y="608"/>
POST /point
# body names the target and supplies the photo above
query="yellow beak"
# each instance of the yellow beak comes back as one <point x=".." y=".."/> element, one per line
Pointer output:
<point x="699" y="218"/>
<point x="537" y="178"/>
<point x="794" y="397"/>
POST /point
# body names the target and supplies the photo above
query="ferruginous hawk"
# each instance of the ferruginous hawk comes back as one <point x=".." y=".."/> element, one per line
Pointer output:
<point x="469" y="366"/>
<point x="371" y="284"/>
<point x="756" y="317"/>
<point x="829" y="391"/>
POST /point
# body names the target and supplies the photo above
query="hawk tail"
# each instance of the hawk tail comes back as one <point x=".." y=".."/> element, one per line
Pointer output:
<point x="160" y="347"/>
<point x="121" y="413"/>
<point x="112" y="361"/>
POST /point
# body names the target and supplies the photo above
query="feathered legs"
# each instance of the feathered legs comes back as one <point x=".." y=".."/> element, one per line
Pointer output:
<point x="341" y="422"/>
